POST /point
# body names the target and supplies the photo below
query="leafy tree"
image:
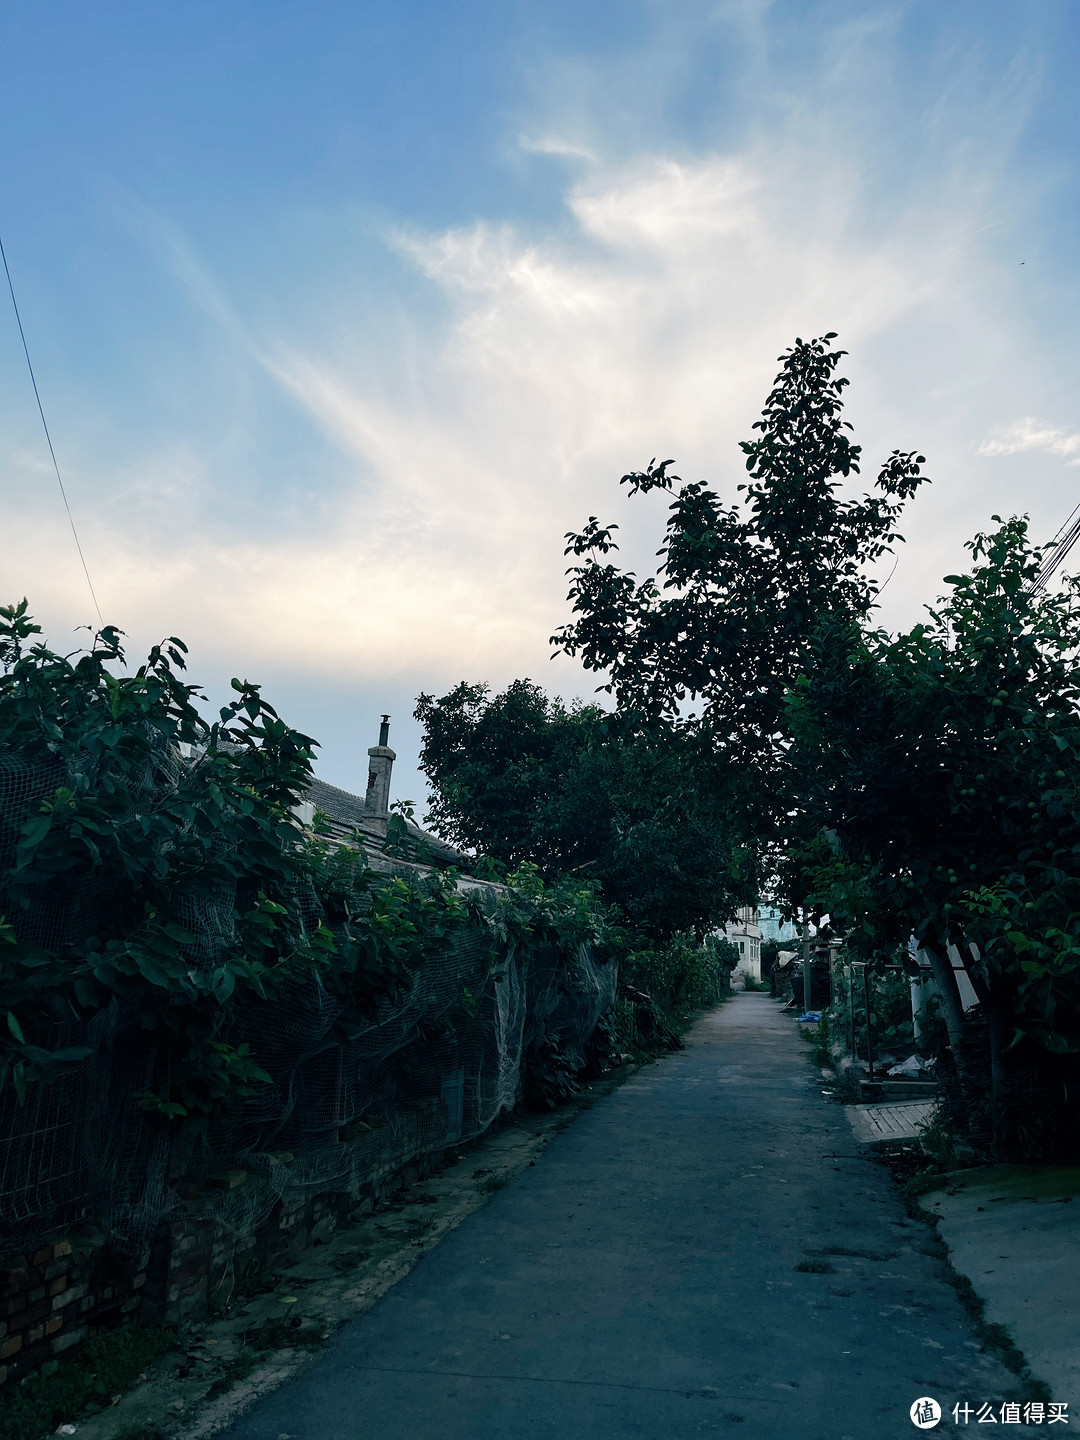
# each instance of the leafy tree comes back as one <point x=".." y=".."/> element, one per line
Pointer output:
<point x="520" y="776"/>
<point x="944" y="765"/>
<point x="713" y="642"/>
<point x="185" y="889"/>
<point x="920" y="784"/>
<point x="729" y="617"/>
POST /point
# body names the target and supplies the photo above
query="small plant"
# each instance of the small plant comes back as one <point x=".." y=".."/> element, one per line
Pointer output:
<point x="550" y="1076"/>
<point x="108" y="1363"/>
<point x="938" y="1140"/>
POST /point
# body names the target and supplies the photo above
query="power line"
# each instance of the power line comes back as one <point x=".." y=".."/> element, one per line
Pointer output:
<point x="48" y="437"/>
<point x="1057" y="550"/>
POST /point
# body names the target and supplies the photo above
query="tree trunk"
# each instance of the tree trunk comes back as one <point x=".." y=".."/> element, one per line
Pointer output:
<point x="953" y="1011"/>
<point x="999" y="1027"/>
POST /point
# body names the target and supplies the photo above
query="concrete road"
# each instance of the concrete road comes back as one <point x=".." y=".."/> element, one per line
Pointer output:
<point x="641" y="1281"/>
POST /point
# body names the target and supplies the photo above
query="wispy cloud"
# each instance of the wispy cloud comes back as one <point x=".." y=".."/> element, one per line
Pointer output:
<point x="644" y="319"/>
<point x="556" y="145"/>
<point x="1029" y="433"/>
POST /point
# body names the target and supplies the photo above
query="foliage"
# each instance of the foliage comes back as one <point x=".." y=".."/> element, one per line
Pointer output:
<point x="945" y="767"/>
<point x="920" y="784"/>
<point x="890" y="1011"/>
<point x="108" y="1362"/>
<point x="183" y="887"/>
<point x="550" y="1076"/>
<point x="681" y="974"/>
<point x="520" y="777"/>
<point x="730" y="619"/>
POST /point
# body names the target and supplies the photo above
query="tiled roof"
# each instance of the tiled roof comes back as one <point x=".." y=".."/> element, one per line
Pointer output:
<point x="347" y="815"/>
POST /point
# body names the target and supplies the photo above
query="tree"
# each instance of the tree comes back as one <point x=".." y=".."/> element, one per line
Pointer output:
<point x="730" y="618"/>
<point x="944" y="764"/>
<point x="520" y="776"/>
<point x="183" y="888"/>
<point x="920" y="784"/>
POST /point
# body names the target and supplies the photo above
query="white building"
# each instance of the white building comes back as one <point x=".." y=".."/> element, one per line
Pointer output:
<point x="775" y="927"/>
<point x="744" y="932"/>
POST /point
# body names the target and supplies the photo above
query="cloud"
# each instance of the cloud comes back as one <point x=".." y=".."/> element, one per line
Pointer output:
<point x="643" y="320"/>
<point x="556" y="145"/>
<point x="1029" y="433"/>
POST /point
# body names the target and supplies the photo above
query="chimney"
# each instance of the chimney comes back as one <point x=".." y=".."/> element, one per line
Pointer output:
<point x="380" y="763"/>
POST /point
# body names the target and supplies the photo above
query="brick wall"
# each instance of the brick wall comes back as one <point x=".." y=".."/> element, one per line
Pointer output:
<point x="49" y="1295"/>
<point x="194" y="1267"/>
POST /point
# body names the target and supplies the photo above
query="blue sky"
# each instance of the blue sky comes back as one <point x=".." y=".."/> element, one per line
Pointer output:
<point x="344" y="313"/>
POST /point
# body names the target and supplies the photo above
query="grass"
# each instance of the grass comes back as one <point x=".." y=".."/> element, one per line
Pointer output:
<point x="108" y="1363"/>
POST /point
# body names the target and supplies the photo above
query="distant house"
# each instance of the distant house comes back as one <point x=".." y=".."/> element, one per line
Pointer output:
<point x="744" y="932"/>
<point x="775" y="927"/>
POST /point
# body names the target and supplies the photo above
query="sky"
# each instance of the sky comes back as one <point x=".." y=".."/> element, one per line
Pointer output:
<point x="343" y="314"/>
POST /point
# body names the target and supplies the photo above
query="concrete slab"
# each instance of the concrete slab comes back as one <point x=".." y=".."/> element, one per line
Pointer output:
<point x="873" y="1123"/>
<point x="1014" y="1231"/>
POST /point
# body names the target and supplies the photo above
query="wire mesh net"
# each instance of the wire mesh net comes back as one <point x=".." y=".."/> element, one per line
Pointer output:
<point x="343" y="1109"/>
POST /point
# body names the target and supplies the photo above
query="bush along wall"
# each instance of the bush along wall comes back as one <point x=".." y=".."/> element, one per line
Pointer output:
<point x="209" y="1014"/>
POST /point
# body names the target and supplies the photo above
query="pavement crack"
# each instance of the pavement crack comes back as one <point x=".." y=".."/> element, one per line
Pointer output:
<point x="707" y="1391"/>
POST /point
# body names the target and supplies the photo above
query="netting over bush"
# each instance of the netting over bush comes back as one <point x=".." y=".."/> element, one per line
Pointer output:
<point x="339" y="1111"/>
<point x="200" y="991"/>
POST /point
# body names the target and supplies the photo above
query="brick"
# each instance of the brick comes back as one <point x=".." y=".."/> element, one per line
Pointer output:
<point x="38" y="1332"/>
<point x="133" y="1304"/>
<point x="73" y="1292"/>
<point x="60" y="1284"/>
<point x="42" y="1256"/>
<point x="66" y="1340"/>
<point x="58" y="1267"/>
<point x="63" y="1247"/>
<point x="56" y="1323"/>
<point x="30" y="1316"/>
<point x="38" y="1293"/>
<point x="11" y="1347"/>
<point x="140" y="1280"/>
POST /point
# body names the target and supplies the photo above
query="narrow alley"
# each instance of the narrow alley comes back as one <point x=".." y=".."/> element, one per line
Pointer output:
<point x="642" y="1280"/>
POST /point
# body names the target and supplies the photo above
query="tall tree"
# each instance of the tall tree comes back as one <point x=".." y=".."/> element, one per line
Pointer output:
<point x="729" y="619"/>
<point x="519" y="776"/>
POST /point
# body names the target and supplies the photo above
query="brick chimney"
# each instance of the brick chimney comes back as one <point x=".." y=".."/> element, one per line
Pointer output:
<point x="380" y="764"/>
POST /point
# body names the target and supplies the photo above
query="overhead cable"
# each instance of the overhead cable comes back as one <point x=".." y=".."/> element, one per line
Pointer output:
<point x="48" y="437"/>
<point x="1056" y="551"/>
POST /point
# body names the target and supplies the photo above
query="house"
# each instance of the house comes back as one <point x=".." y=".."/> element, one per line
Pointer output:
<point x="347" y="818"/>
<point x="744" y="932"/>
<point x="775" y="927"/>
